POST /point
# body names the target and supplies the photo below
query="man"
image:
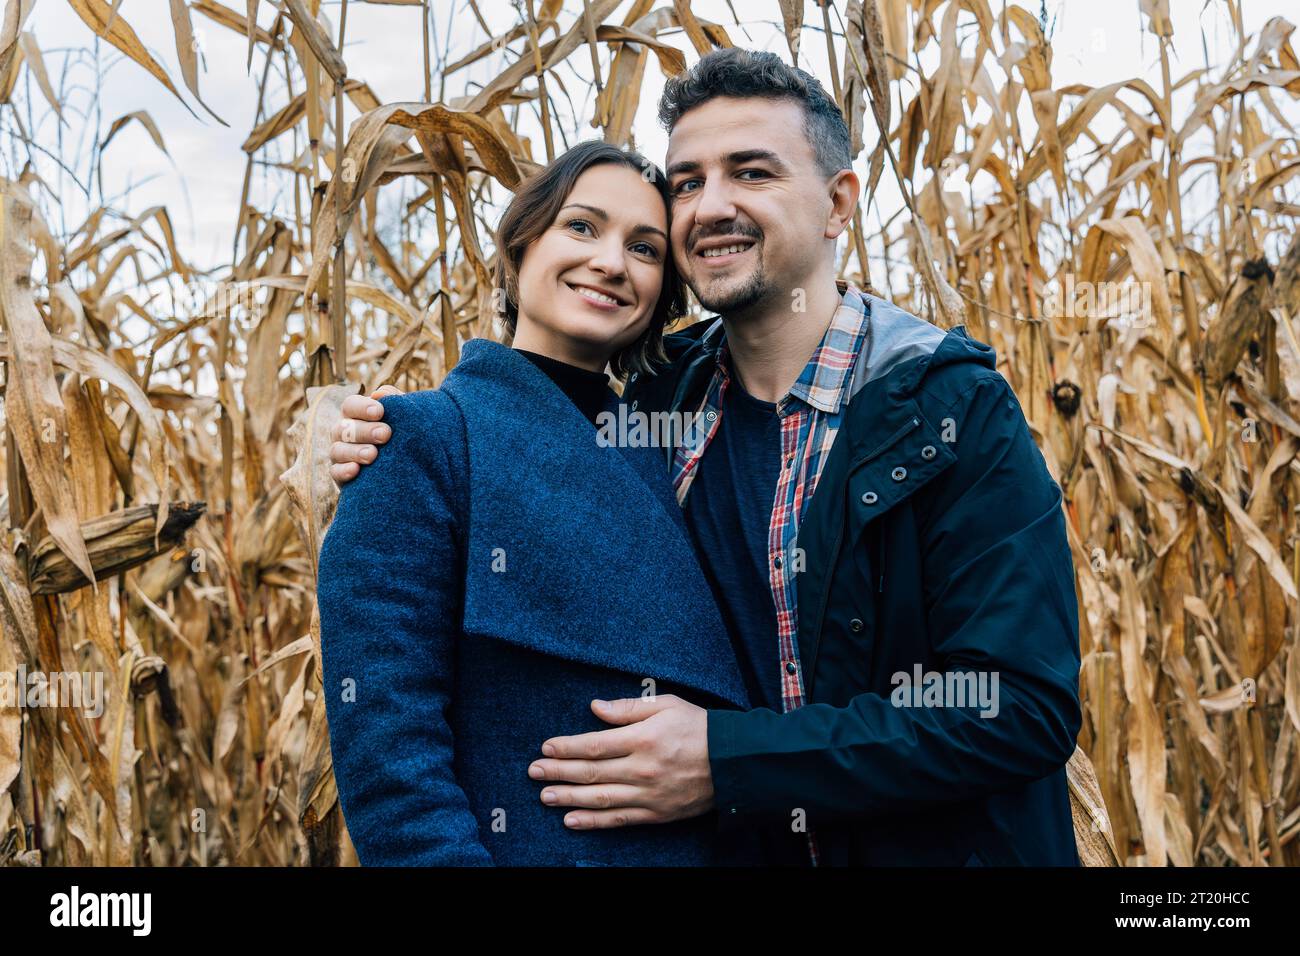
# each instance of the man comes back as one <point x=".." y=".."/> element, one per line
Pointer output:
<point x="880" y="531"/>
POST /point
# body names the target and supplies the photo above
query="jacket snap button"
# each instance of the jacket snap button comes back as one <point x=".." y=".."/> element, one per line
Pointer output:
<point x="869" y="498"/>
<point x="928" y="452"/>
<point x="899" y="473"/>
<point x="777" y="561"/>
<point x="634" y="403"/>
<point x="711" y="416"/>
<point x="789" y="667"/>
<point x="855" y="625"/>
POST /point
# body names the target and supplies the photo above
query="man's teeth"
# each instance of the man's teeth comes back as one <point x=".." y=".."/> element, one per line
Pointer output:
<point x="724" y="251"/>
<point x="598" y="296"/>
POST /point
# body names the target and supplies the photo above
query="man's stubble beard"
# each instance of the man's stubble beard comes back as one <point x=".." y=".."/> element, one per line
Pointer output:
<point x="736" y="301"/>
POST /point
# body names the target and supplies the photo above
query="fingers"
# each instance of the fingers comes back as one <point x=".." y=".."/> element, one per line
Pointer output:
<point x="346" y="460"/>
<point x="609" y="819"/>
<point x="360" y="422"/>
<point x="585" y="772"/>
<point x="358" y="432"/>
<point x="362" y="408"/>
<point x="342" y="453"/>
<point x="603" y="797"/>
<point x="344" y="473"/>
<point x="630" y="710"/>
<point x="598" y="745"/>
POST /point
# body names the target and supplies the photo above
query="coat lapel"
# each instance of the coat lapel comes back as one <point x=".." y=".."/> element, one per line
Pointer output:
<point x="570" y="552"/>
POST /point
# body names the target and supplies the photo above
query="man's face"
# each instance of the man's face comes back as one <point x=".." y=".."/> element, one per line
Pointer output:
<point x="750" y="206"/>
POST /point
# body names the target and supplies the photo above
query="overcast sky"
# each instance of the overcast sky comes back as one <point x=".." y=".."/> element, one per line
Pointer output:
<point x="1094" y="42"/>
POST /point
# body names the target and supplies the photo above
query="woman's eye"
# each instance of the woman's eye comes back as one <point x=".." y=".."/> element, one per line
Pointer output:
<point x="645" y="249"/>
<point x="579" y="225"/>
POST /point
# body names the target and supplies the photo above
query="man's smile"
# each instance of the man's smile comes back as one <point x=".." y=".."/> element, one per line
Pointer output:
<point x="720" y="252"/>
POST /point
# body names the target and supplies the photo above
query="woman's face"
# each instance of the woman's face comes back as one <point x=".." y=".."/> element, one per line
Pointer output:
<point x="589" y="284"/>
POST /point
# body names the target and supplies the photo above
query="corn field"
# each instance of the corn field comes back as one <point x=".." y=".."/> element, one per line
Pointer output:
<point x="1128" y="249"/>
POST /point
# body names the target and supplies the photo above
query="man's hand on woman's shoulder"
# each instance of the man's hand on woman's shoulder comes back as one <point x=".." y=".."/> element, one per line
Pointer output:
<point x="358" y="433"/>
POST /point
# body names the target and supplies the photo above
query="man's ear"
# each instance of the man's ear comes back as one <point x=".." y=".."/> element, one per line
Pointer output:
<point x="845" y="187"/>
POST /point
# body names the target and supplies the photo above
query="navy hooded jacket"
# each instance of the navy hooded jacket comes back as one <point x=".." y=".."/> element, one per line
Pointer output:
<point x="935" y="547"/>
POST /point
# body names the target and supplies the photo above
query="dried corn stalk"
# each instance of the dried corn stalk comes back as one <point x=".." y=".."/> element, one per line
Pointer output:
<point x="1128" y="249"/>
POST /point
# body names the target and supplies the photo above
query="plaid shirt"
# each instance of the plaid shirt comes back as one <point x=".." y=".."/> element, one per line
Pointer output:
<point x="810" y="416"/>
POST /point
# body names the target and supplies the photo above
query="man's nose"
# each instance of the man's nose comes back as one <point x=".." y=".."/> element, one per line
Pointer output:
<point x="715" y="203"/>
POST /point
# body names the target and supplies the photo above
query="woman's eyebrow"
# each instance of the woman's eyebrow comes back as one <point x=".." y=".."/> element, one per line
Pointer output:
<point x="604" y="217"/>
<point x="651" y="229"/>
<point x="594" y="210"/>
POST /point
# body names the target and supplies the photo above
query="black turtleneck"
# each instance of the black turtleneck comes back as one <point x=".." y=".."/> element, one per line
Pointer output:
<point x="588" y="390"/>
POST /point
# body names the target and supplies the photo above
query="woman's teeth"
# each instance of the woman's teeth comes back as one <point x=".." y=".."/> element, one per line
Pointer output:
<point x="593" y="294"/>
<point x="724" y="251"/>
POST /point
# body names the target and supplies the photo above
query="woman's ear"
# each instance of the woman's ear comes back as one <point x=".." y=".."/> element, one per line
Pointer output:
<point x="844" y="188"/>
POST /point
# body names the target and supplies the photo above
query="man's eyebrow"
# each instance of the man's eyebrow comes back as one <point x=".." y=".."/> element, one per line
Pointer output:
<point x="738" y="158"/>
<point x="749" y="155"/>
<point x="604" y="217"/>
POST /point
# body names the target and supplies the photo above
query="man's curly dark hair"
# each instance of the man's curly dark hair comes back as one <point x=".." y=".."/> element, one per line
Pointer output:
<point x="733" y="71"/>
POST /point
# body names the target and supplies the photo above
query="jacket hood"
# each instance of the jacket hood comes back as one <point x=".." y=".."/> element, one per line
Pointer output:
<point x="904" y="349"/>
<point x="900" y="346"/>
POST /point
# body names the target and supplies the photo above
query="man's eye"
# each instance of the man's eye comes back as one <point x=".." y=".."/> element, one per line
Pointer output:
<point x="756" y="172"/>
<point x="685" y="186"/>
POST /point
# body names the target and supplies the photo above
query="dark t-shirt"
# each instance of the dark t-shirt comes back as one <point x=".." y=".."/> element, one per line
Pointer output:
<point x="729" y="510"/>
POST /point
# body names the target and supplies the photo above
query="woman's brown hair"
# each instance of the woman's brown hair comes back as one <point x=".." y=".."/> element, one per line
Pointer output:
<point x="534" y="209"/>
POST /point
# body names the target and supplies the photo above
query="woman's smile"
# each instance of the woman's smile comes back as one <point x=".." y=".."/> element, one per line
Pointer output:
<point x="597" y="298"/>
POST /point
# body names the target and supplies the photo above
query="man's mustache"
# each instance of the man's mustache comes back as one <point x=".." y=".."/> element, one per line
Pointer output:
<point x="730" y="232"/>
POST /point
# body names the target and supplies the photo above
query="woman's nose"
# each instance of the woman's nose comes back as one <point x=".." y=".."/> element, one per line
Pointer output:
<point x="607" y="259"/>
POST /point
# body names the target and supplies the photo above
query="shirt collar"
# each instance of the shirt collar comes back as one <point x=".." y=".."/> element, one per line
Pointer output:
<point x="824" y="382"/>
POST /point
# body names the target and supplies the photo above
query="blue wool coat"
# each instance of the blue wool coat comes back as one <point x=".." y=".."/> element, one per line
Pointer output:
<point x="488" y="576"/>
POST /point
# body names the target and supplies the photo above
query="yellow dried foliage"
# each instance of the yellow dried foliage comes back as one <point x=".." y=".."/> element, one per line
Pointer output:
<point x="1153" y="338"/>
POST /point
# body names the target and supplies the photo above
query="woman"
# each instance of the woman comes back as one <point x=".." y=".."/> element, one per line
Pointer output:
<point x="499" y="567"/>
